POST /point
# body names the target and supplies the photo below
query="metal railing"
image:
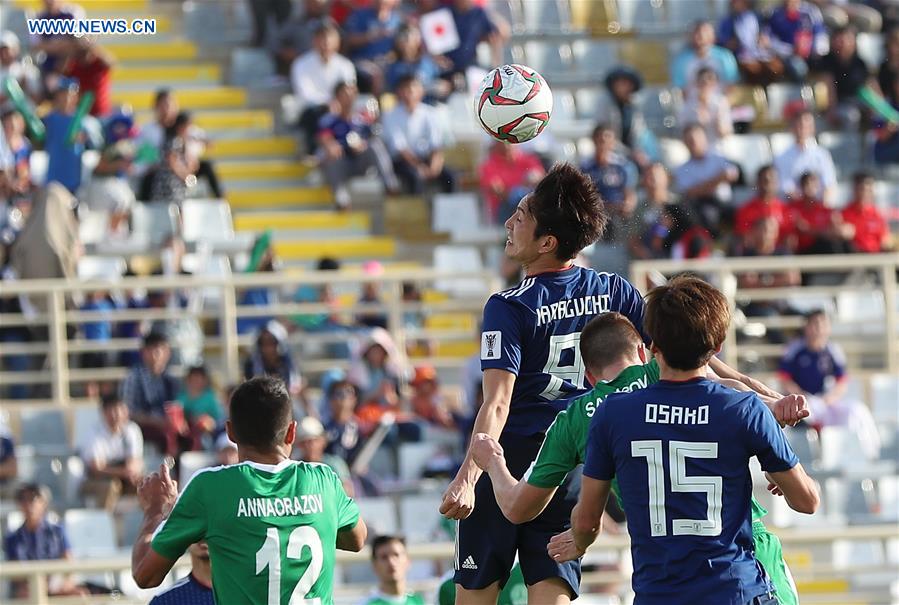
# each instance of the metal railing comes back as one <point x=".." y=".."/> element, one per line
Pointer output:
<point x="224" y="343"/>
<point x="36" y="572"/>
<point x="874" y="333"/>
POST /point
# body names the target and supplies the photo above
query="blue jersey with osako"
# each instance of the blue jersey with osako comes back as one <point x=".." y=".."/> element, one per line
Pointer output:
<point x="680" y="452"/>
<point x="533" y="331"/>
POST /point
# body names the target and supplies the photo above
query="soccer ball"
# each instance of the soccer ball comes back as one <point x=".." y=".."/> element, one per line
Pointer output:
<point x="513" y="103"/>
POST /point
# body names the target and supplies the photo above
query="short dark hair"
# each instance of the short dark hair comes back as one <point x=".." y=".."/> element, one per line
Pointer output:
<point x="687" y="320"/>
<point x="764" y="170"/>
<point x="691" y="127"/>
<point x="155" y="338"/>
<point x="198" y="369"/>
<point x="161" y="94"/>
<point x="261" y="412"/>
<point x="110" y="400"/>
<point x="341" y="85"/>
<point x="33" y="490"/>
<point x="606" y="338"/>
<point x="601" y="128"/>
<point x="810" y="315"/>
<point x="805" y="177"/>
<point x="380" y="541"/>
<point x="327" y="263"/>
<point x="861" y="176"/>
<point x="566" y="205"/>
<point x="326" y="25"/>
<point x="406" y="80"/>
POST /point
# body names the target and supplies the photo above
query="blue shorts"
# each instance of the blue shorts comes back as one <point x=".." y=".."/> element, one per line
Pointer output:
<point x="486" y="542"/>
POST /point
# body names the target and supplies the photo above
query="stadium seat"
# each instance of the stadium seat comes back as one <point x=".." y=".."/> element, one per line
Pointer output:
<point x="154" y="222"/>
<point x="564" y="109"/>
<point x="870" y="48"/>
<point x="105" y="268"/>
<point x="681" y="16"/>
<point x="804" y="443"/>
<point x="37" y="167"/>
<point x="379" y="515"/>
<point x="780" y="94"/>
<point x="546" y="16"/>
<point x="548" y="58"/>
<point x="637" y="16"/>
<point x="45" y="430"/>
<point x="130" y="527"/>
<point x="91" y="532"/>
<point x="459" y="259"/>
<point x="413" y="458"/>
<point x="888" y="498"/>
<point x="846" y="149"/>
<point x="587" y="100"/>
<point x="855" y="305"/>
<point x="191" y="462"/>
<point x="885" y="398"/>
<point x="780" y="142"/>
<point x="851" y="499"/>
<point x="593" y="58"/>
<point x="419" y="519"/>
<point x="841" y="450"/>
<point x="206" y="220"/>
<point x="750" y="151"/>
<point x="458" y="214"/>
<point x="674" y="152"/>
<point x="251" y="67"/>
<point x="93" y="226"/>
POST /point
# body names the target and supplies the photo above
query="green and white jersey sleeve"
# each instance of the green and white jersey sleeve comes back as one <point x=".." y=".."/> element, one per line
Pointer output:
<point x="565" y="443"/>
<point x="271" y="529"/>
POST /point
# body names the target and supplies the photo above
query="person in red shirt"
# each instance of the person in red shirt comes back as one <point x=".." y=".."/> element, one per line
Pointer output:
<point x="871" y="232"/>
<point x="766" y="204"/>
<point x="504" y="173"/>
<point x="817" y="228"/>
<point x="92" y="67"/>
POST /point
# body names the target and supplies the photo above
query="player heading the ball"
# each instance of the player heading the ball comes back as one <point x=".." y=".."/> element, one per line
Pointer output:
<point x="680" y="451"/>
<point x="272" y="524"/>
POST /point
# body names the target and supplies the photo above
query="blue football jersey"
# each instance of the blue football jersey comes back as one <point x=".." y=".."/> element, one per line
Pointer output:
<point x="533" y="331"/>
<point x="680" y="452"/>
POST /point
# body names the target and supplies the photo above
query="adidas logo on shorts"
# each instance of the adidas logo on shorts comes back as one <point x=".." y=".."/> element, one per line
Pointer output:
<point x="469" y="563"/>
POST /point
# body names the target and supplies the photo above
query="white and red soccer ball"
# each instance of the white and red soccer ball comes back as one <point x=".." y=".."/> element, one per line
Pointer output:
<point x="513" y="103"/>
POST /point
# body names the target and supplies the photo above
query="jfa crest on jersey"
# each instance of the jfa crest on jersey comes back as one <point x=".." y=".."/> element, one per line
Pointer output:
<point x="534" y="330"/>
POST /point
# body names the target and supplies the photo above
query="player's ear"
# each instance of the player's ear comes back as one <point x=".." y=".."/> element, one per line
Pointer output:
<point x="291" y="434"/>
<point x="590" y="377"/>
<point x="229" y="429"/>
<point x="549" y="244"/>
<point x="641" y="351"/>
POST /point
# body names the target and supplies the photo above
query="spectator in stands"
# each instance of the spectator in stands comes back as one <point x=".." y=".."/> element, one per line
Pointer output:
<point x="742" y="33"/>
<point x="196" y="587"/>
<point x="39" y="539"/>
<point x="702" y="52"/>
<point x="428" y="403"/>
<point x="642" y="228"/>
<point x="263" y="11"/>
<point x="817" y="229"/>
<point x="271" y="357"/>
<point x="262" y="260"/>
<point x="341" y="426"/>
<point x="845" y="74"/>
<point x="374" y="369"/>
<point x="9" y="467"/>
<point x="20" y="149"/>
<point x="705" y="180"/>
<point x="295" y="37"/>
<point x="310" y="447"/>
<point x="872" y="234"/>
<point x="415" y="138"/>
<point x="53" y="46"/>
<point x="314" y="76"/>
<point x="369" y="37"/>
<point x="684" y="237"/>
<point x="840" y="13"/>
<point x="816" y="367"/>
<point x="181" y="164"/>
<point x="200" y="403"/>
<point x="707" y="106"/>
<point x="474" y="25"/>
<point x="148" y="145"/>
<point x="888" y="74"/>
<point x="390" y="562"/>
<point x="615" y="178"/>
<point x="505" y="175"/>
<point x="348" y="148"/>
<point x="109" y="191"/>
<point x="13" y="65"/>
<point x="113" y="455"/>
<point x="91" y="66"/>
<point x="412" y="59"/>
<point x="766" y="204"/>
<point x="806" y="155"/>
<point x="371" y="294"/>
<point x="64" y="156"/>
<point x="620" y="109"/>
<point x="886" y="134"/>
<point x="150" y="392"/>
<point x="98" y="332"/>
<point x="797" y="35"/>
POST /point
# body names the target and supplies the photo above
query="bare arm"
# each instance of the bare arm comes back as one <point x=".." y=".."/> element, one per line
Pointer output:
<point x="458" y="500"/>
<point x="586" y="521"/>
<point x="725" y="371"/>
<point x="157" y="494"/>
<point x="799" y="490"/>
<point x="353" y="539"/>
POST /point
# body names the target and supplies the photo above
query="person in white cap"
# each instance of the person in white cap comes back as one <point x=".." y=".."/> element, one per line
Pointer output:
<point x="12" y="65"/>
<point x="310" y="447"/>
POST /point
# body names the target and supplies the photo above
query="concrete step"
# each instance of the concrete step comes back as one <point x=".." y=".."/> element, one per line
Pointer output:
<point x="220" y="97"/>
<point x="359" y="248"/>
<point x="265" y="169"/>
<point x="148" y="51"/>
<point x="279" y="197"/>
<point x="157" y="76"/>
<point x="300" y="221"/>
<point x="228" y="119"/>
<point x="245" y="147"/>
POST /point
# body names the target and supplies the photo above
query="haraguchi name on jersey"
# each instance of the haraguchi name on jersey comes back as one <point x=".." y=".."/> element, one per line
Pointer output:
<point x="573" y="307"/>
<point x="659" y="413"/>
<point x="280" y="507"/>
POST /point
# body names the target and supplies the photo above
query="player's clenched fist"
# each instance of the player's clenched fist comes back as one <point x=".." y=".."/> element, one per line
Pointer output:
<point x="790" y="409"/>
<point x="562" y="548"/>
<point x="157" y="492"/>
<point x="458" y="500"/>
<point x="485" y="450"/>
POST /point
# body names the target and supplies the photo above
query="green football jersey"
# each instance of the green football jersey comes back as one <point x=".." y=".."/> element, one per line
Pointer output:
<point x="565" y="444"/>
<point x="271" y="530"/>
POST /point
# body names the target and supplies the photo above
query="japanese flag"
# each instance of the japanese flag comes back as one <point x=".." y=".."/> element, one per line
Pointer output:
<point x="438" y="30"/>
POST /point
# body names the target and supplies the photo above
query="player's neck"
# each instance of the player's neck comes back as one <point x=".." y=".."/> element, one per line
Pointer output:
<point x="666" y="372"/>
<point x="547" y="263"/>
<point x="610" y="372"/>
<point x="394" y="589"/>
<point x="250" y="454"/>
<point x="202" y="573"/>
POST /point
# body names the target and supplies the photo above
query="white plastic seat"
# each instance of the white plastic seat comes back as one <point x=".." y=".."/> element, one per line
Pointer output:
<point x="461" y="259"/>
<point x="587" y="100"/>
<point x="251" y="67"/>
<point x="93" y="226"/>
<point x="154" y="222"/>
<point x="888" y="497"/>
<point x="37" y="167"/>
<point x="545" y="16"/>
<point x="841" y="450"/>
<point x="674" y="152"/>
<point x="750" y="151"/>
<point x="206" y="220"/>
<point x="870" y="48"/>
<point x="379" y="515"/>
<point x="85" y="421"/>
<point x="91" y="532"/>
<point x="458" y="214"/>
<point x="413" y="458"/>
<point x="594" y="58"/>
<point x="780" y="142"/>
<point x="547" y="58"/>
<point x="564" y="109"/>
<point x="779" y="95"/>
<point x="191" y="462"/>
<point x="106" y="268"/>
<point x="885" y="398"/>
<point x="43" y="428"/>
<point x="419" y="518"/>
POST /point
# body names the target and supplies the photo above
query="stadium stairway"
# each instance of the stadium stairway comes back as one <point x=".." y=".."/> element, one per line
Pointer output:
<point x="267" y="184"/>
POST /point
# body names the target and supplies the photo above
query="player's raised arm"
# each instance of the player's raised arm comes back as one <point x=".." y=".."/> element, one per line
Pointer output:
<point x="725" y="371"/>
<point x="157" y="494"/>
